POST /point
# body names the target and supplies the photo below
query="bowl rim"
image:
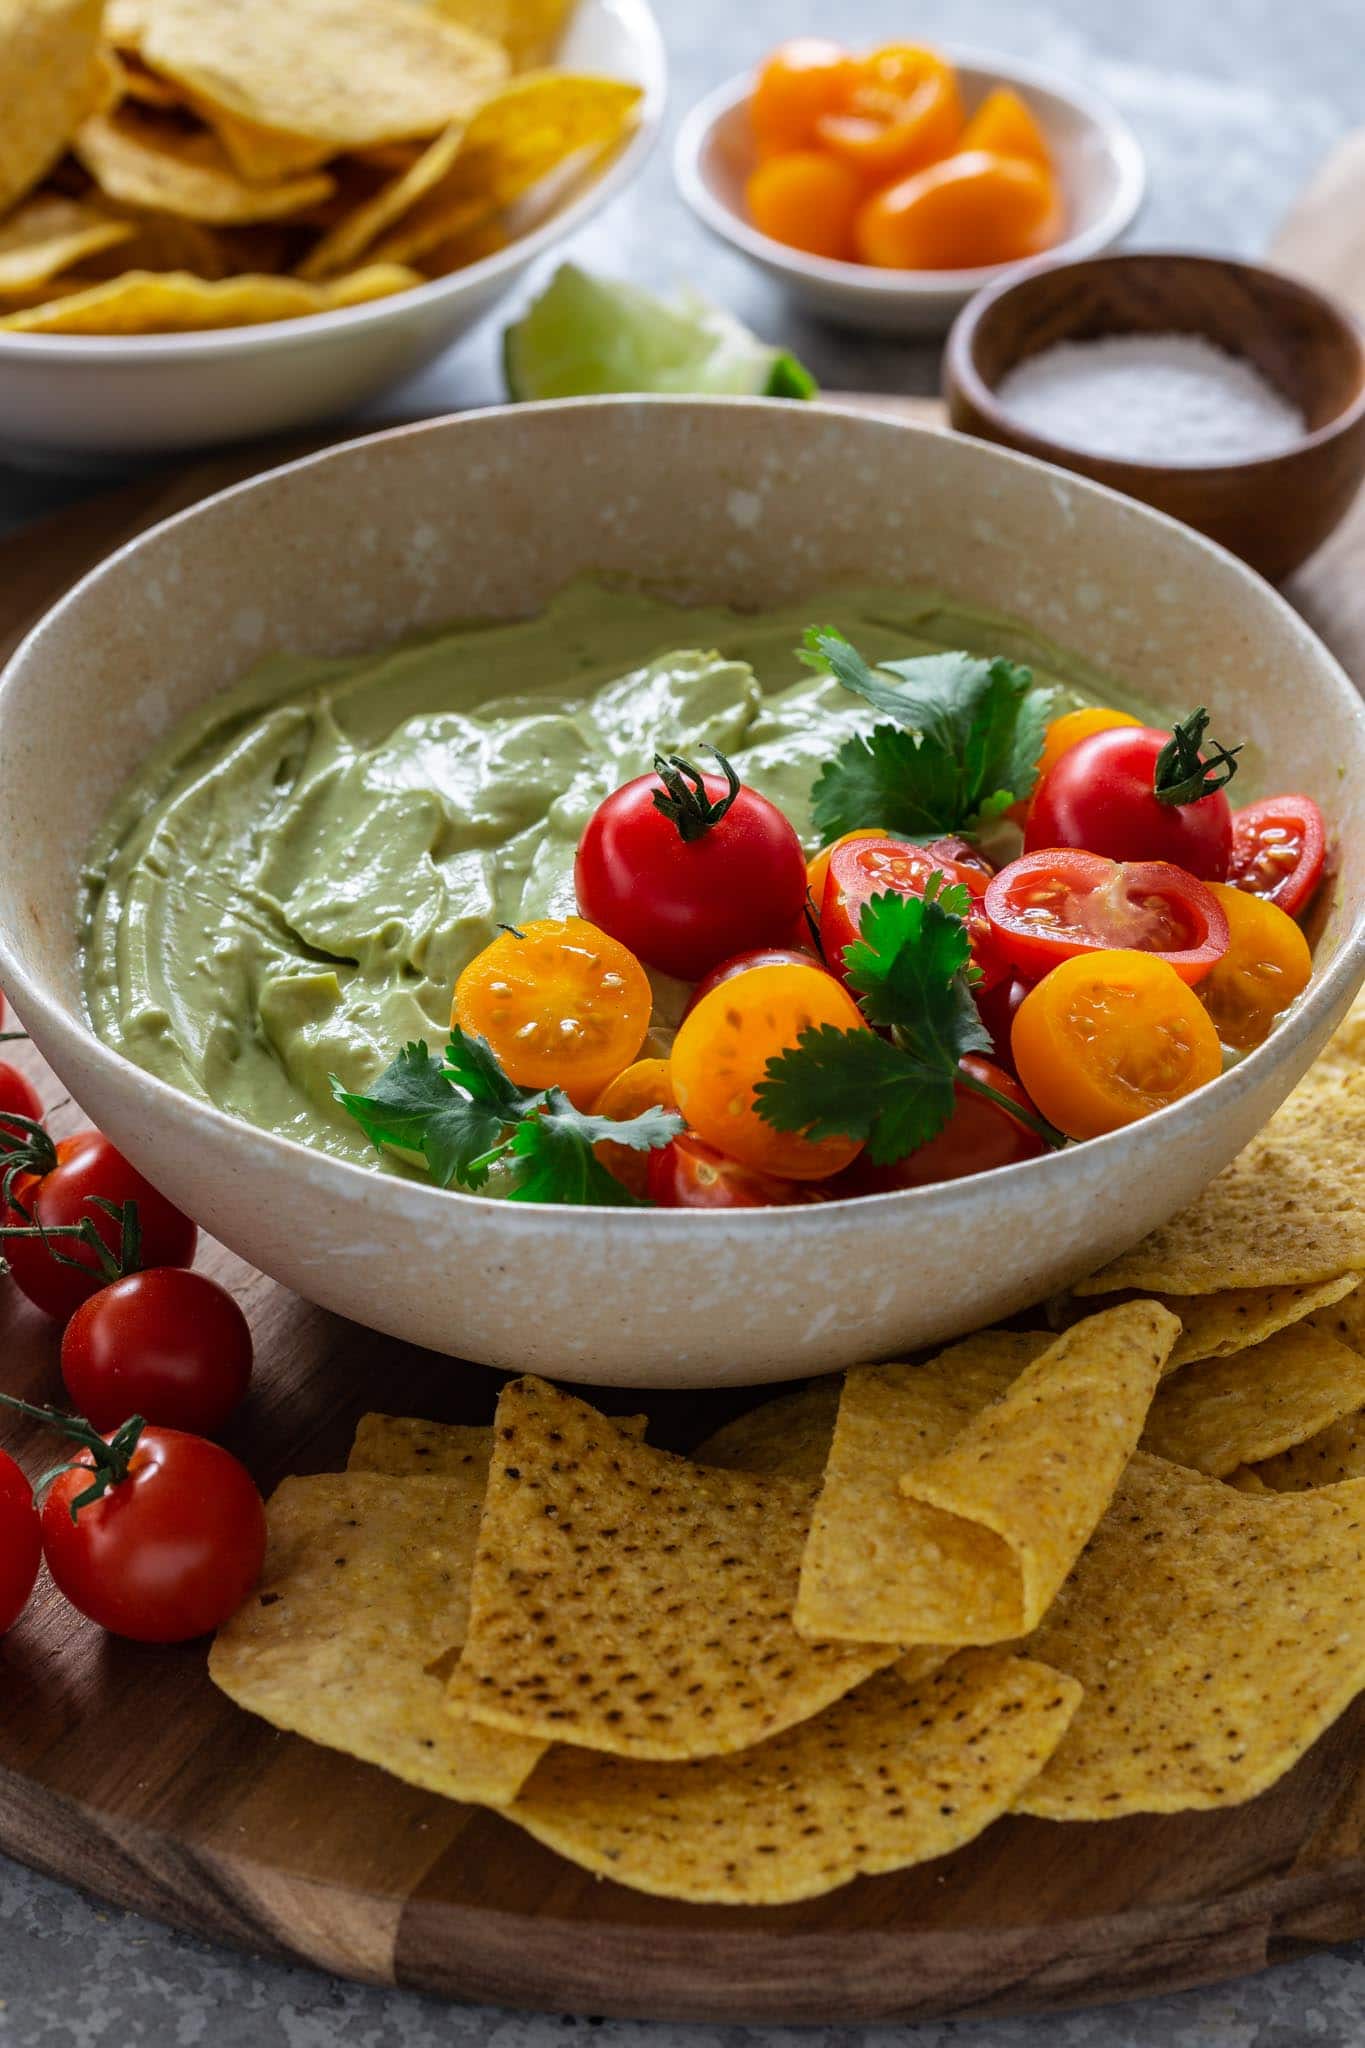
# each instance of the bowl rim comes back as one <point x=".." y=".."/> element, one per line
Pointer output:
<point x="257" y="1148"/>
<point x="641" y="30"/>
<point x="960" y="368"/>
<point x="865" y="279"/>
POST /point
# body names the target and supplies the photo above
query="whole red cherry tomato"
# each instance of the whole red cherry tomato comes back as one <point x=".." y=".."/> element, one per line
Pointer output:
<point x="58" y="1188"/>
<point x="1278" y="847"/>
<point x="689" y="1174"/>
<point x="21" y="1545"/>
<point x="864" y="868"/>
<point x="168" y="1344"/>
<point x="170" y="1550"/>
<point x="1046" y="907"/>
<point x="740" y="963"/>
<point x="18" y="1097"/>
<point x="1135" y="793"/>
<point x="997" y="1007"/>
<point x="686" y="869"/>
<point x="979" y="1135"/>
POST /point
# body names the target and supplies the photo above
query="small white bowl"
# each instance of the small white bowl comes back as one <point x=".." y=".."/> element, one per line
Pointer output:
<point x="68" y="399"/>
<point x="1099" y="163"/>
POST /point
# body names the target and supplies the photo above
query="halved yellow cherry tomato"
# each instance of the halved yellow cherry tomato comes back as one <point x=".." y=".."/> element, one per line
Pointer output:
<point x="561" y="1004"/>
<point x="645" y="1085"/>
<point x="1073" y="726"/>
<point x="1266" y="965"/>
<point x="723" y="1047"/>
<point x="817" y="868"/>
<point x="902" y="112"/>
<point x="1005" y="123"/>
<point x="1106" y="1038"/>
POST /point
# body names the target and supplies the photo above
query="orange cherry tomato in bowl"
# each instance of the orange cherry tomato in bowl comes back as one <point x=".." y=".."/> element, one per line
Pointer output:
<point x="862" y="869"/>
<point x="562" y="1004"/>
<point x="800" y="80"/>
<point x="806" y="200"/>
<point x="902" y="112"/>
<point x="689" y="1174"/>
<point x="21" y="1543"/>
<point x="66" y="1180"/>
<point x="1048" y="906"/>
<point x="723" y="1047"/>
<point x="979" y="1136"/>
<point x="962" y="213"/>
<point x="1118" y="792"/>
<point x="1278" y="847"/>
<point x="1072" y="727"/>
<point x="1109" y="1037"/>
<point x="167" y="1344"/>
<point x="648" y="1084"/>
<point x="1267" y="964"/>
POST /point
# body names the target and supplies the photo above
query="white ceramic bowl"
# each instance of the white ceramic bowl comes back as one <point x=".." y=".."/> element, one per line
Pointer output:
<point x="746" y="502"/>
<point x="1098" y="159"/>
<point x="65" y="399"/>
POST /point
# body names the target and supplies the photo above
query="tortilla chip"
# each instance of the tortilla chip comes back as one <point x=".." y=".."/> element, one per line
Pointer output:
<point x="261" y="155"/>
<point x="1216" y="1635"/>
<point x="365" y="1588"/>
<point x="959" y="1493"/>
<point x="174" y="302"/>
<point x="1334" y="1454"/>
<point x="53" y="77"/>
<point x="47" y="234"/>
<point x="140" y="159"/>
<point x="515" y="139"/>
<point x="1227" y="1412"/>
<point x="410" y="1449"/>
<point x="125" y="23"/>
<point x="894" y="1774"/>
<point x="340" y="74"/>
<point x="790" y="1435"/>
<point x="472" y="245"/>
<point x="160" y="242"/>
<point x="1219" y="1325"/>
<point x="628" y="1600"/>
<point x="353" y="234"/>
<point x="1246" y="1480"/>
<point x="1289" y="1211"/>
<point x="1344" y="1318"/>
<point x="144" y="86"/>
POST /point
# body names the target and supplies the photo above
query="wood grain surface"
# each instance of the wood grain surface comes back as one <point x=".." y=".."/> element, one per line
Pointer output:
<point x="122" y="1770"/>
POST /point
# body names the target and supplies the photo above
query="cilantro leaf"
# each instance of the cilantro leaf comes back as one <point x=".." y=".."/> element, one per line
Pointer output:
<point x="906" y="966"/>
<point x="473" y="1065"/>
<point x="555" y="1148"/>
<point x="414" y="1105"/>
<point x="908" y="786"/>
<point x="851" y="1084"/>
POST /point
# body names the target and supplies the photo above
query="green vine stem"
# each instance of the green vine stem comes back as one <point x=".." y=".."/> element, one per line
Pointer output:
<point x="109" y="1459"/>
<point x="110" y="1265"/>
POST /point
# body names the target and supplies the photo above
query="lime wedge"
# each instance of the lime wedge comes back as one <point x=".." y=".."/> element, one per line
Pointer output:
<point x="586" y="335"/>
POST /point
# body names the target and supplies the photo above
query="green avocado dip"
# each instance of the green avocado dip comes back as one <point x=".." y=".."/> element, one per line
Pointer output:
<point x="293" y="882"/>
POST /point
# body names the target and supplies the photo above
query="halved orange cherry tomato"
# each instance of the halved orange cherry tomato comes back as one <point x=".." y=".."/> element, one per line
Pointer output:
<point x="978" y="1137"/>
<point x="1266" y="965"/>
<point x="903" y="111"/>
<point x="817" y="867"/>
<point x="562" y="1004"/>
<point x="1278" y="847"/>
<point x="722" y="1049"/>
<point x="645" y="1085"/>
<point x="879" y="867"/>
<point x="1107" y="1038"/>
<point x="1006" y="124"/>
<point x="688" y="1174"/>
<point x="801" y="80"/>
<point x="806" y="200"/>
<point x="1050" y="905"/>
<point x="1073" y="726"/>
<point x="968" y="210"/>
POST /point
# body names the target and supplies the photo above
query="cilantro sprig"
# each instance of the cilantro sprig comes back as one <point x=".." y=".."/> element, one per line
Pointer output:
<point x="961" y="746"/>
<point x="462" y="1114"/>
<point x="911" y="968"/>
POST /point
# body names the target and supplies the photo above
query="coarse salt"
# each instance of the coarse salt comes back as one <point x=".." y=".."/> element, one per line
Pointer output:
<point x="1173" y="399"/>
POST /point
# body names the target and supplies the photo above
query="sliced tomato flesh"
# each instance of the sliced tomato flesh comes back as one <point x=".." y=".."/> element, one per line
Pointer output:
<point x="1278" y="848"/>
<point x="865" y="868"/>
<point x="1051" y="905"/>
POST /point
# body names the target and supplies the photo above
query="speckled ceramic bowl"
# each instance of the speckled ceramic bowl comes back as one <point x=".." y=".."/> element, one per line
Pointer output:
<point x="734" y="501"/>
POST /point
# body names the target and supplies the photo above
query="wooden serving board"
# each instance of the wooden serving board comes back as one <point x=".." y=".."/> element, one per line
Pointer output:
<point x="122" y="1770"/>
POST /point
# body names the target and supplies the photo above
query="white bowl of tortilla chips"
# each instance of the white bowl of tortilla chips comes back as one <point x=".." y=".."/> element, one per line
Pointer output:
<point x="225" y="221"/>
<point x="755" y="504"/>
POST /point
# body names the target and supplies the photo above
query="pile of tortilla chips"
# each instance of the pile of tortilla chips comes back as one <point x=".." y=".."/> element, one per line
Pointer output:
<point x="1114" y="1569"/>
<point x="167" y="165"/>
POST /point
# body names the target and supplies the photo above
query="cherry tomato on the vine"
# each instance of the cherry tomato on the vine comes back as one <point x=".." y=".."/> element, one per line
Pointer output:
<point x="1048" y="906"/>
<point x="18" y="1097"/>
<point x="169" y="1551"/>
<point x="690" y="1174"/>
<point x="21" y="1543"/>
<point x="1138" y="793"/>
<point x="865" y="868"/>
<point x="979" y="1135"/>
<point x="686" y="868"/>
<point x="167" y="1344"/>
<point x="1278" y="847"/>
<point x="61" y="1189"/>
<point x="1267" y="964"/>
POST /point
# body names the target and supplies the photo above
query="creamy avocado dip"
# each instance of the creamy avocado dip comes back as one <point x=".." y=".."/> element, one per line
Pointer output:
<point x="291" y="885"/>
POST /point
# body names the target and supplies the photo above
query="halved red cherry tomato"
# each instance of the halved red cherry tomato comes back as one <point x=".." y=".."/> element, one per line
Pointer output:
<point x="865" y="868"/>
<point x="1107" y="1038"/>
<point x="1267" y="964"/>
<point x="742" y="963"/>
<point x="1277" y="851"/>
<point x="21" y="1543"/>
<point x="62" y="1188"/>
<point x="690" y="1174"/>
<point x="687" y="869"/>
<point x="167" y="1344"/>
<point x="979" y="1136"/>
<point x="1105" y="794"/>
<point x="1047" y="907"/>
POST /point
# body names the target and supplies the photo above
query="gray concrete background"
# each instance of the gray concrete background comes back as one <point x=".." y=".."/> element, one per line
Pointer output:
<point x="1235" y="102"/>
